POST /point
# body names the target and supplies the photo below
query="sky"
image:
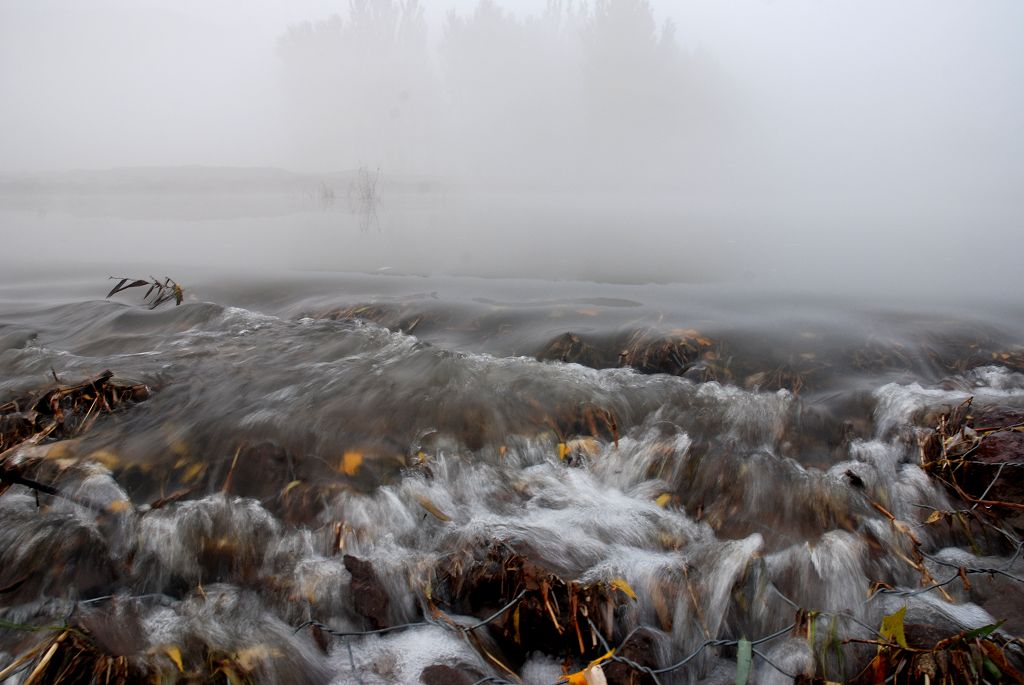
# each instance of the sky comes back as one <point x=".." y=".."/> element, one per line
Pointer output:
<point x="162" y="82"/>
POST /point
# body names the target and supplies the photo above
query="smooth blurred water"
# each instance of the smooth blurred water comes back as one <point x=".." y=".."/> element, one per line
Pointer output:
<point x="459" y="414"/>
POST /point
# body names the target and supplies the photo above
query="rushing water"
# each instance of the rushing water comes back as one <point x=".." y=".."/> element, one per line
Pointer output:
<point x="288" y="435"/>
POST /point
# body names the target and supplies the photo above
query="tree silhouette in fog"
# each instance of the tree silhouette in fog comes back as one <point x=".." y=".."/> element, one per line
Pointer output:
<point x="361" y="86"/>
<point x="633" y="84"/>
<point x="579" y="92"/>
<point x="512" y="86"/>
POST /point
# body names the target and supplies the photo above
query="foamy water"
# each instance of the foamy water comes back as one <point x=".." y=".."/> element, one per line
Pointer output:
<point x="721" y="505"/>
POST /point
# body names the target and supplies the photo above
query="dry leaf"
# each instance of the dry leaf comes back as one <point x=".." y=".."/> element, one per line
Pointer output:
<point x="621" y="584"/>
<point x="350" y="462"/>
<point x="118" y="506"/>
<point x="432" y="508"/>
<point x="175" y="655"/>
<point x="593" y="674"/>
<point x="250" y="657"/>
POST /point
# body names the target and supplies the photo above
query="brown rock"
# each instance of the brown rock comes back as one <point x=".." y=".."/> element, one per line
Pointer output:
<point x="640" y="648"/>
<point x="570" y="347"/>
<point x="442" y="674"/>
<point x="369" y="598"/>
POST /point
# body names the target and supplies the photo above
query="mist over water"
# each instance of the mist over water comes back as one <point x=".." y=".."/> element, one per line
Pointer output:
<point x="850" y="146"/>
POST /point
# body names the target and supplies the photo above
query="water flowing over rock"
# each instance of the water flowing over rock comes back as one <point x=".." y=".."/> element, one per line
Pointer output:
<point x="436" y="496"/>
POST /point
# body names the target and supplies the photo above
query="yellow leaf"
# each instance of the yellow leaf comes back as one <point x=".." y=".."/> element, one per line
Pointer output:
<point x="563" y="451"/>
<point x="515" y="624"/>
<point x="175" y="654"/>
<point x="892" y="627"/>
<point x="61" y="450"/>
<point x="350" y="462"/>
<point x="291" y="486"/>
<point x="118" y="506"/>
<point x="250" y="657"/>
<point x="621" y="584"/>
<point x="192" y="472"/>
<point x="233" y="677"/>
<point x="592" y="674"/>
<point x="577" y="678"/>
<point x="935" y="516"/>
<point x="432" y="508"/>
<point x="105" y="457"/>
<point x="587" y="446"/>
<point x="663" y="499"/>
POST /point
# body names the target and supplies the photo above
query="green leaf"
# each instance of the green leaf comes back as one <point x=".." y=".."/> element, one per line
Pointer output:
<point x="744" y="650"/>
<point x="983" y="631"/>
<point x="892" y="627"/>
<point x="992" y="669"/>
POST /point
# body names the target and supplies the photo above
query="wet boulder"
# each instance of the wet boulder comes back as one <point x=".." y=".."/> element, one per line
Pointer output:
<point x="531" y="607"/>
<point x="444" y="674"/>
<point x="642" y="649"/>
<point x="370" y="599"/>
<point x="675" y="353"/>
<point x="979" y="452"/>
<point x="572" y="348"/>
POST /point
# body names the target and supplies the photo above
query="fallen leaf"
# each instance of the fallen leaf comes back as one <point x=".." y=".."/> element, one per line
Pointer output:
<point x="350" y="462"/>
<point x="250" y="657"/>
<point x="118" y="506"/>
<point x="175" y="655"/>
<point x="663" y="499"/>
<point x="621" y="584"/>
<point x="192" y="472"/>
<point x="432" y="508"/>
<point x="892" y="627"/>
<point x="105" y="457"/>
<point x="593" y="674"/>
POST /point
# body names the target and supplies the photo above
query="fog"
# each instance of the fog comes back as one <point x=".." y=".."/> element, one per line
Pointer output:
<point x="839" y="145"/>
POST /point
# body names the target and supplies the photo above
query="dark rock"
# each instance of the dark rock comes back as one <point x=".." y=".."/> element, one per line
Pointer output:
<point x="553" y="615"/>
<point x="681" y="352"/>
<point x="996" y="417"/>
<point x="649" y="352"/>
<point x="641" y="648"/>
<point x="369" y="598"/>
<point x="442" y="674"/>
<point x="924" y="636"/>
<point x="570" y="347"/>
<point x="999" y="444"/>
<point x="259" y="471"/>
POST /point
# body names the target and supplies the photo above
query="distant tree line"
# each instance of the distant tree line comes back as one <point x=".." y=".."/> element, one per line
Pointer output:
<point x="596" y="91"/>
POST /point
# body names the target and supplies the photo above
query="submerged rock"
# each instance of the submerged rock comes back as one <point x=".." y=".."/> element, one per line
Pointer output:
<point x="369" y="598"/>
<point x="443" y="674"/>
